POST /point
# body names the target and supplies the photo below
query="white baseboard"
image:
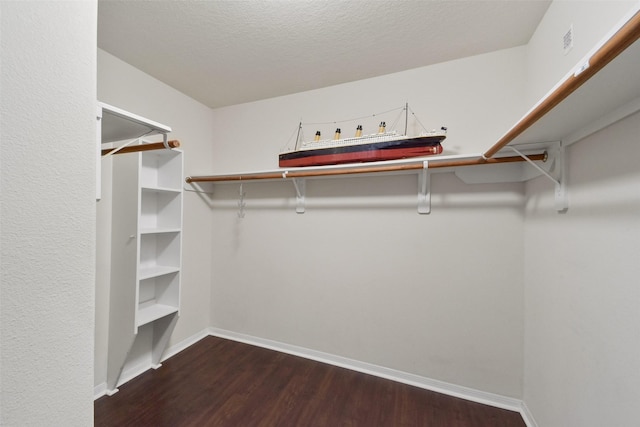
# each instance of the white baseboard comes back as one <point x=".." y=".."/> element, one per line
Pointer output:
<point x="132" y="372"/>
<point x="473" y="395"/>
<point x="454" y="390"/>
<point x="99" y="390"/>
<point x="527" y="416"/>
<point x="187" y="342"/>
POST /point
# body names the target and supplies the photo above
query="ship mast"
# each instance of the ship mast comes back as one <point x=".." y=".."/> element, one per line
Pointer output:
<point x="298" y="136"/>
<point x="406" y="117"/>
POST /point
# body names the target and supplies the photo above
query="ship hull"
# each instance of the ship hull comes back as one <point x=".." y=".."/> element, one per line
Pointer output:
<point x="379" y="151"/>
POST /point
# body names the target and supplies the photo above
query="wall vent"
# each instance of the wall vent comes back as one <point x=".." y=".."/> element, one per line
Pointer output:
<point x="567" y="40"/>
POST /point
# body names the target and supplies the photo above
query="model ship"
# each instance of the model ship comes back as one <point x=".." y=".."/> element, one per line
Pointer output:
<point x="383" y="145"/>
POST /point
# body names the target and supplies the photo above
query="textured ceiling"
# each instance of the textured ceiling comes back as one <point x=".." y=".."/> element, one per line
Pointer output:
<point x="230" y="52"/>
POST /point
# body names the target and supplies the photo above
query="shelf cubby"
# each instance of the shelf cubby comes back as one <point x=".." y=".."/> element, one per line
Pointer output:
<point x="160" y="210"/>
<point x="159" y="250"/>
<point x="161" y="170"/>
<point x="157" y="297"/>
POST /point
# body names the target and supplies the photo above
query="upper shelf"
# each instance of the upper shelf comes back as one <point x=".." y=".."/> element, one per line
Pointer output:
<point x="612" y="93"/>
<point x="401" y="166"/>
<point x="604" y="87"/>
<point x="114" y="124"/>
<point x="601" y="89"/>
<point x="119" y="125"/>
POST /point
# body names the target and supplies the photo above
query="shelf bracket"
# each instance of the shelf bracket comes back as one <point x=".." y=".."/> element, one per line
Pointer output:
<point x="126" y="144"/>
<point x="241" y="203"/>
<point x="424" y="189"/>
<point x="300" y="185"/>
<point x="561" y="194"/>
<point x="557" y="176"/>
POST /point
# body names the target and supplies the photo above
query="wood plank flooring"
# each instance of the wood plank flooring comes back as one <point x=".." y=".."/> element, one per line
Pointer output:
<point x="218" y="382"/>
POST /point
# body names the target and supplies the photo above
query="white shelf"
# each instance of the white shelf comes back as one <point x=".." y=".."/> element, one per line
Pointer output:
<point x="159" y="230"/>
<point x="161" y="189"/>
<point x="436" y="163"/>
<point x="610" y="95"/>
<point x="156" y="271"/>
<point x="151" y="311"/>
<point x="119" y="125"/>
<point x="115" y="124"/>
<point x="507" y="166"/>
<point x="601" y="89"/>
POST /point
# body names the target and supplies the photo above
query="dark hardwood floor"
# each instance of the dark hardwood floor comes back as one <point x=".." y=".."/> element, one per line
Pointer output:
<point x="217" y="382"/>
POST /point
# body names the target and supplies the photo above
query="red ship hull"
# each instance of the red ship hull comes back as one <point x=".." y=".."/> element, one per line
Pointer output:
<point x="365" y="153"/>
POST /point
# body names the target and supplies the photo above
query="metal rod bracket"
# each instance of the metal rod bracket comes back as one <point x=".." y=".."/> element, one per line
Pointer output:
<point x="556" y="175"/>
<point x="532" y="163"/>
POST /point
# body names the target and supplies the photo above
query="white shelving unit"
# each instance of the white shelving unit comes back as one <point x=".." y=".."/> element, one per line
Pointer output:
<point x="146" y="251"/>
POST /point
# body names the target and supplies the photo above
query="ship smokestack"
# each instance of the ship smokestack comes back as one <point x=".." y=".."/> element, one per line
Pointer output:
<point x="359" y="131"/>
<point x="382" y="127"/>
<point x="317" y="137"/>
<point x="337" y="135"/>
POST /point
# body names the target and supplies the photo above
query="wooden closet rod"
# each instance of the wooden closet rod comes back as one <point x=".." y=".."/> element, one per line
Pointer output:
<point x="362" y="169"/>
<point x="174" y="143"/>
<point x="625" y="37"/>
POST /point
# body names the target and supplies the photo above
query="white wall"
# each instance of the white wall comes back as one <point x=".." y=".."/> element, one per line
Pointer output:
<point x="477" y="98"/>
<point x="582" y="347"/>
<point x="126" y="87"/>
<point x="547" y="63"/>
<point x="48" y="212"/>
<point x="361" y="274"/>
